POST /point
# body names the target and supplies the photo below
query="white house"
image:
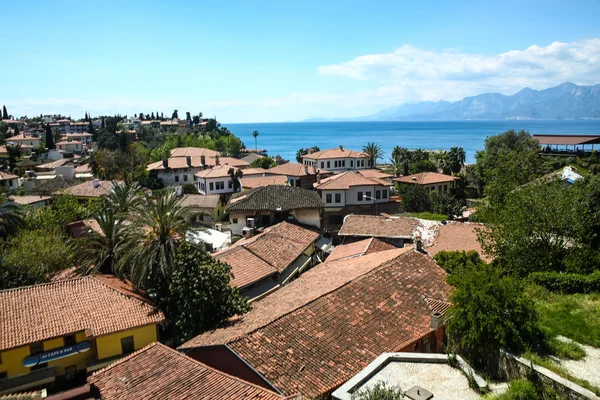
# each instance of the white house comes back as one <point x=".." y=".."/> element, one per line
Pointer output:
<point x="338" y="159"/>
<point x="215" y="180"/>
<point x="78" y="127"/>
<point x="9" y="181"/>
<point x="352" y="189"/>
<point x="24" y="140"/>
<point x="73" y="146"/>
<point x="84" y="137"/>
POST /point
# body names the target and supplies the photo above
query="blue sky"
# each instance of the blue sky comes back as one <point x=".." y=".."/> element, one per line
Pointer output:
<point x="252" y="61"/>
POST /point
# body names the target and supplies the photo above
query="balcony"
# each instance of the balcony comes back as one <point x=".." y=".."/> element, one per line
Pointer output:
<point x="27" y="381"/>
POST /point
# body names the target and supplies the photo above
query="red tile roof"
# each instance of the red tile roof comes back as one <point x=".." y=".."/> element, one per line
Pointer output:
<point x="359" y="248"/>
<point x="87" y="189"/>
<point x="378" y="226"/>
<point x="219" y="171"/>
<point x="26" y="200"/>
<point x="254" y="171"/>
<point x="158" y="372"/>
<point x="35" y="313"/>
<point x="335" y="153"/>
<point x="374" y="173"/>
<point x="193" y="152"/>
<point x="210" y="201"/>
<point x="294" y="169"/>
<point x="426" y="178"/>
<point x="4" y="176"/>
<point x="348" y="179"/>
<point x="457" y="236"/>
<point x="253" y="182"/>
<point x="320" y="345"/>
<point x="246" y="267"/>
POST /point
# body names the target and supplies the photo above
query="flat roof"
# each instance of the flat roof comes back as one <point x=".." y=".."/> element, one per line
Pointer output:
<point x="567" y="140"/>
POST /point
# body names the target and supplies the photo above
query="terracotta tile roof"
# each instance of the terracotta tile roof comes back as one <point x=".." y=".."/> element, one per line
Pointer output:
<point x="87" y="189"/>
<point x="193" y="152"/>
<point x="82" y="169"/>
<point x="315" y="283"/>
<point x="254" y="171"/>
<point x="274" y="197"/>
<point x="359" y="248"/>
<point x="195" y="162"/>
<point x="457" y="236"/>
<point x="219" y="171"/>
<point x="253" y="182"/>
<point x="378" y="226"/>
<point x="159" y="372"/>
<point x="348" y="179"/>
<point x="294" y="169"/>
<point x="83" y="134"/>
<point x="426" y="178"/>
<point x="25" y="200"/>
<point x="200" y="201"/>
<point x="54" y="164"/>
<point x="4" y="176"/>
<point x="69" y="142"/>
<point x="335" y="153"/>
<point x="54" y="185"/>
<point x="21" y="138"/>
<point x="89" y="223"/>
<point x="374" y="173"/>
<point x="322" y="344"/>
<point x="267" y="253"/>
<point x="34" y="313"/>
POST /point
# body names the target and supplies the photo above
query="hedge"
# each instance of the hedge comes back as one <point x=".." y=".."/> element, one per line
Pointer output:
<point x="567" y="283"/>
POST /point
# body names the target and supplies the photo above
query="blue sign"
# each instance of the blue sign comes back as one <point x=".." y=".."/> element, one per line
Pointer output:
<point x="56" y="354"/>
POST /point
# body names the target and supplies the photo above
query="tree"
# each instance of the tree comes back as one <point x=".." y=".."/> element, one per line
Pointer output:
<point x="175" y="115"/>
<point x="197" y="295"/>
<point x="124" y="198"/>
<point x="4" y="113"/>
<point x="11" y="216"/>
<point x="443" y="162"/>
<point x="422" y="166"/>
<point x="64" y="210"/>
<point x="188" y="116"/>
<point x="255" y="135"/>
<point x="456" y="159"/>
<point x="14" y="153"/>
<point x="415" y="198"/>
<point x="235" y="175"/>
<point x="490" y="312"/>
<point x="454" y="260"/>
<point x="447" y="204"/>
<point x="374" y="152"/>
<point x="265" y="162"/>
<point x="128" y="166"/>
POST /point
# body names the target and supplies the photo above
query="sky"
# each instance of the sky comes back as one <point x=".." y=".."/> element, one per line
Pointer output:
<point x="270" y="61"/>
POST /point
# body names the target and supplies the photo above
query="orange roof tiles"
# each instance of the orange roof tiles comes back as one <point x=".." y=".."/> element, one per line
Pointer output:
<point x="359" y="248"/>
<point x="26" y="200"/>
<point x="21" y="138"/>
<point x="252" y="182"/>
<point x="294" y="169"/>
<point x="457" y="236"/>
<point x="159" y="372"/>
<point x="193" y="152"/>
<point x="246" y="267"/>
<point x="374" y="173"/>
<point x="348" y="179"/>
<point x="335" y="153"/>
<point x="426" y="178"/>
<point x="254" y="171"/>
<point x="4" y="176"/>
<point x="210" y="201"/>
<point x="219" y="171"/>
<point x="87" y="189"/>
<point x="378" y="226"/>
<point x="35" y="313"/>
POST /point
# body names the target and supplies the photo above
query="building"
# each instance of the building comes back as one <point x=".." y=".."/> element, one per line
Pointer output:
<point x="376" y="173"/>
<point x="24" y="140"/>
<point x="350" y="192"/>
<point x="559" y="144"/>
<point x="338" y="159"/>
<point x="83" y="137"/>
<point x="251" y="157"/>
<point x="215" y="180"/>
<point x="432" y="181"/>
<point x="8" y="181"/>
<point x="32" y="202"/>
<point x="194" y="152"/>
<point x="51" y="186"/>
<point x="150" y="124"/>
<point x="14" y="123"/>
<point x="64" y="126"/>
<point x="394" y="230"/>
<point x="73" y="146"/>
<point x="59" y="331"/>
<point x="26" y="149"/>
<point x="314" y="334"/>
<point x="359" y="248"/>
<point x="454" y="236"/>
<point x="202" y="209"/>
<point x="83" y="228"/>
<point x="419" y="376"/>
<point x="169" y="125"/>
<point x="256" y="181"/>
<point x="177" y="170"/>
<point x="158" y="372"/>
<point x="79" y="127"/>
<point x="268" y="205"/>
<point x="89" y="190"/>
<point x="269" y="260"/>
<point x="299" y="175"/>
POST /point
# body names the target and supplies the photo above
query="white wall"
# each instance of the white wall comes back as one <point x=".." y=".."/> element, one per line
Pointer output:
<point x="310" y="217"/>
<point x="236" y="227"/>
<point x="168" y="176"/>
<point x="207" y="182"/>
<point x="352" y="195"/>
<point x="10" y="184"/>
<point x="333" y="203"/>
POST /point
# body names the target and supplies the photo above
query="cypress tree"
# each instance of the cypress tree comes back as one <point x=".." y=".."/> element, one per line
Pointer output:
<point x="49" y="138"/>
<point x="4" y="113"/>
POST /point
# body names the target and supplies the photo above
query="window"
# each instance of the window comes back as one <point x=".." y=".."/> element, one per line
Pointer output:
<point x="328" y="198"/>
<point x="362" y="163"/>
<point x="328" y="164"/>
<point x="211" y="186"/>
<point x="70" y="340"/>
<point x="3" y="375"/>
<point x="185" y="178"/>
<point x="322" y="164"/>
<point x="360" y="196"/>
<point x="176" y="178"/>
<point x="127" y="345"/>
<point x="440" y="188"/>
<point x="351" y="163"/>
<point x="378" y="194"/>
<point x="36" y="347"/>
<point x="230" y="184"/>
<point x="338" y="198"/>
<point x="235" y="220"/>
<point x="70" y="371"/>
<point x="384" y="193"/>
<point x="368" y="195"/>
<point x="203" y="187"/>
<point x="335" y="164"/>
<point x="195" y="178"/>
<point x="343" y="163"/>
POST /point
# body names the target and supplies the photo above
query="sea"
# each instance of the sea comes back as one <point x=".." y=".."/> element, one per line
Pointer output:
<point x="286" y="138"/>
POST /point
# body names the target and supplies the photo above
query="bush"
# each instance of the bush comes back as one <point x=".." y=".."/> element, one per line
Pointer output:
<point x="567" y="283"/>
<point x="520" y="389"/>
<point x="452" y="260"/>
<point x="379" y="392"/>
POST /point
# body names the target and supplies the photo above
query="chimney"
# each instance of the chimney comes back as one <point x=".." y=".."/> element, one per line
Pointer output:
<point x="203" y="160"/>
<point x="188" y="160"/>
<point x="96" y="183"/>
<point x="341" y="147"/>
<point x="306" y="170"/>
<point x="434" y="322"/>
<point x="216" y="160"/>
<point x="166" y="163"/>
<point x="310" y="151"/>
<point x="319" y="177"/>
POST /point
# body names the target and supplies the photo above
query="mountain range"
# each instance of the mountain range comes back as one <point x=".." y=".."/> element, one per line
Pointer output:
<point x="565" y="101"/>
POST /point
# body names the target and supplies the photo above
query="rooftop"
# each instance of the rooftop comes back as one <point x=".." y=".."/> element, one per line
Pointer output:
<point x="348" y="179"/>
<point x="274" y="197"/>
<point x="54" y="185"/>
<point x="457" y="236"/>
<point x="156" y="371"/>
<point x="567" y="140"/>
<point x="338" y="152"/>
<point x="219" y="171"/>
<point x="294" y="169"/>
<point x="200" y="201"/>
<point x="21" y="138"/>
<point x="254" y="171"/>
<point x="35" y="313"/>
<point x="426" y="178"/>
<point x="87" y="189"/>
<point x="375" y="173"/>
<point x="359" y="248"/>
<point x="378" y="226"/>
<point x="4" y="176"/>
<point x="253" y="182"/>
<point x="193" y="152"/>
<point x="26" y="200"/>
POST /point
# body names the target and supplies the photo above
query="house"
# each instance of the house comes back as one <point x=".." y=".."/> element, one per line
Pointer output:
<point x="24" y="140"/>
<point x="169" y="125"/>
<point x="14" y="123"/>
<point x="79" y="127"/>
<point x="350" y="192"/>
<point x="359" y="248"/>
<point x="150" y="124"/>
<point x="25" y="149"/>
<point x="251" y="157"/>
<point x="194" y="152"/>
<point x="61" y="330"/>
<point x="177" y="170"/>
<point x="394" y="230"/>
<point x="83" y="137"/>
<point x="56" y="184"/>
<point x="269" y="260"/>
<point x="215" y="180"/>
<point x="89" y="190"/>
<point x="8" y="181"/>
<point x="63" y="126"/>
<point x="73" y="146"/>
<point x="203" y="209"/>
<point x="254" y="172"/>
<point x="31" y="201"/>
<point x="455" y="236"/>
<point x="299" y="175"/>
<point x="268" y="205"/>
<point x="314" y="334"/>
<point x="337" y="159"/>
<point x="255" y="181"/>
<point x="159" y="372"/>
<point x="431" y="181"/>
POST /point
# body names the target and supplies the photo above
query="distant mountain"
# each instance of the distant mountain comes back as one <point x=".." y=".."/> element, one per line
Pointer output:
<point x="565" y="101"/>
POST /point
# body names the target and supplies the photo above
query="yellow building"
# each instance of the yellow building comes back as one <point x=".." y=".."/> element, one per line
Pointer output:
<point x="59" y="331"/>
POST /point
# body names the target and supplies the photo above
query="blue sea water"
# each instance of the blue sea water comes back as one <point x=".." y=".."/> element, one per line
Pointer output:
<point x="286" y="138"/>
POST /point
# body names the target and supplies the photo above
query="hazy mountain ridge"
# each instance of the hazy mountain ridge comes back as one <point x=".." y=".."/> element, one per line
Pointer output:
<point x="565" y="101"/>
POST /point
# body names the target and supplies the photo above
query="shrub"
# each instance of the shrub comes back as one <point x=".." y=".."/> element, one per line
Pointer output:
<point x="452" y="260"/>
<point x="567" y="283"/>
<point x="520" y="389"/>
<point x="379" y="392"/>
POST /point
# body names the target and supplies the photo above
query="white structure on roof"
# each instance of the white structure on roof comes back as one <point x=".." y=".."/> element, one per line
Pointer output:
<point x="215" y="239"/>
<point x="338" y="159"/>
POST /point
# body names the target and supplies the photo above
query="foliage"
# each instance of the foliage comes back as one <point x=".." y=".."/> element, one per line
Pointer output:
<point x="422" y="166"/>
<point x="427" y="215"/>
<point x="567" y="283"/>
<point x="255" y="135"/>
<point x="521" y="389"/>
<point x="236" y="175"/>
<point x="11" y="216"/>
<point x="490" y="311"/>
<point x="456" y="159"/>
<point x="124" y="198"/>
<point x="64" y="210"/>
<point x="565" y="350"/>
<point x="49" y="138"/>
<point x="265" y="162"/>
<point x="128" y="166"/>
<point x="198" y="295"/>
<point x="302" y="152"/>
<point x="415" y="198"/>
<point x="14" y="153"/>
<point x="447" y="204"/>
<point x="374" y="152"/>
<point x="221" y="140"/>
<point x="454" y="260"/>
<point x="189" y="188"/>
<point x="379" y="391"/>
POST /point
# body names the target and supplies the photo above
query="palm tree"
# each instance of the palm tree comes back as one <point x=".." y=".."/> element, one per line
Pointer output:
<point x="457" y="157"/>
<point x="124" y="198"/>
<point x="255" y="134"/>
<point x="11" y="216"/>
<point x="374" y="152"/>
<point x="299" y="154"/>
<point x="396" y="166"/>
<point x="163" y="223"/>
<point x="443" y="161"/>
<point x="235" y="175"/>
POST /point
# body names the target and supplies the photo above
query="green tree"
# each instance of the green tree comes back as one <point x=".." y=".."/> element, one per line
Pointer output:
<point x="125" y="198"/>
<point x="188" y="116"/>
<point x="255" y="135"/>
<point x="11" y="216"/>
<point x="175" y="115"/>
<point x="4" y="113"/>
<point x="415" y="198"/>
<point x="374" y="152"/>
<point x="490" y="312"/>
<point x="14" y="155"/>
<point x="64" y="210"/>
<point x="263" y="162"/>
<point x="422" y="166"/>
<point x="235" y="175"/>
<point x="456" y="159"/>
<point x="454" y="260"/>
<point x="198" y="294"/>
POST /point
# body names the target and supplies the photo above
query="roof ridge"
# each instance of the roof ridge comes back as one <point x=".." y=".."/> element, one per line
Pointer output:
<point x="121" y="292"/>
<point x="62" y="281"/>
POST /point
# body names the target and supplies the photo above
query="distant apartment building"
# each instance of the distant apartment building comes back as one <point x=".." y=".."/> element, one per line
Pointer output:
<point x="73" y="146"/>
<point x="338" y="159"/>
<point x="84" y="137"/>
<point x="79" y="127"/>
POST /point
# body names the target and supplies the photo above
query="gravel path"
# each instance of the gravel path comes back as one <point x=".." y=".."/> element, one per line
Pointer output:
<point x="587" y="368"/>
